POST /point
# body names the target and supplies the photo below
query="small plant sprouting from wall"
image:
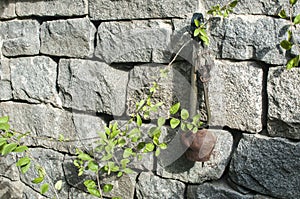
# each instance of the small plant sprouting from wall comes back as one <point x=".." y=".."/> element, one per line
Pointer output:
<point x="290" y="41"/>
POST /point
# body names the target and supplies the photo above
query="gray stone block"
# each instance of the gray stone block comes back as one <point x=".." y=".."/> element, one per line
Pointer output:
<point x="10" y="189"/>
<point x="52" y="8"/>
<point x="8" y="169"/>
<point x="215" y="190"/>
<point x="267" y="165"/>
<point x="5" y="83"/>
<point x="151" y="186"/>
<point x="196" y="172"/>
<point x="131" y="41"/>
<point x="34" y="79"/>
<point x="7" y="9"/>
<point x="6" y="91"/>
<point x="284" y="102"/>
<point x="235" y="95"/>
<point x="173" y="88"/>
<point x="51" y="161"/>
<point x="138" y="9"/>
<point x="241" y="38"/>
<point x="258" y="7"/>
<point x="92" y="86"/>
<point x="20" y="37"/>
<point x="70" y="38"/>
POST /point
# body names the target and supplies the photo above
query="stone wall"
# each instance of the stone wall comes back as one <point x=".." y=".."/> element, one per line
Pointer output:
<point x="72" y="66"/>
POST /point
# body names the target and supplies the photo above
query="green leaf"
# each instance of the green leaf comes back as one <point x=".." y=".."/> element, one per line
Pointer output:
<point x="286" y="45"/>
<point x="58" y="185"/>
<point x="292" y="63"/>
<point x="92" y="166"/>
<point x="44" y="188"/>
<point x="157" y="152"/>
<point x="233" y="4"/>
<point x="195" y="130"/>
<point x="174" y="123"/>
<point x="120" y="173"/>
<point x="107" y="157"/>
<point x="89" y="183"/>
<point x="23" y="161"/>
<point x="174" y="109"/>
<point x="127" y="153"/>
<point x="25" y="168"/>
<point x="128" y="171"/>
<point x="124" y="162"/>
<point x="141" y="145"/>
<point x="297" y="19"/>
<point x="196" y="32"/>
<point x="184" y="114"/>
<point x="107" y="188"/>
<point x="3" y="141"/>
<point x="116" y="198"/>
<point x="102" y="135"/>
<point x="197" y="22"/>
<point x="163" y="146"/>
<point x="8" y="148"/>
<point x="139" y="120"/>
<point x="4" y="126"/>
<point x="282" y="14"/>
<point x="149" y="147"/>
<point x="140" y="104"/>
<point x="293" y="2"/>
<point x="38" y="180"/>
<point x="205" y="40"/>
<point x="4" y="119"/>
<point x="289" y="37"/>
<point x="189" y="126"/>
<point x="161" y="121"/>
<point x="20" y="149"/>
<point x="84" y="156"/>
<point x="94" y="192"/>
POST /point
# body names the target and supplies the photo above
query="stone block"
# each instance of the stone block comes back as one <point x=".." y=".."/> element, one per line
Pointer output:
<point x="241" y="38"/>
<point x="217" y="190"/>
<point x="172" y="88"/>
<point x="174" y="165"/>
<point x="10" y="189"/>
<point x="20" y="37"/>
<point x="267" y="165"/>
<point x="52" y="8"/>
<point x="7" y="9"/>
<point x="34" y="79"/>
<point x="138" y="9"/>
<point x="284" y="102"/>
<point x="151" y="186"/>
<point x="131" y="41"/>
<point x="92" y="86"/>
<point x="70" y="38"/>
<point x="235" y="95"/>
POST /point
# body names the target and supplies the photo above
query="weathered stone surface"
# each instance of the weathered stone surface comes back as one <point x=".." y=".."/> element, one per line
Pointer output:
<point x="34" y="79"/>
<point x="109" y="9"/>
<point x="10" y="189"/>
<point x="76" y="194"/>
<point x="46" y="121"/>
<point x="235" y="95"/>
<point x="217" y="190"/>
<point x="8" y="169"/>
<point x="92" y="86"/>
<point x="196" y="172"/>
<point x="173" y="88"/>
<point x="267" y="165"/>
<point x="52" y="8"/>
<point x="5" y="84"/>
<point x="259" y="7"/>
<point x="71" y="38"/>
<point x="151" y="186"/>
<point x="7" y="9"/>
<point x="284" y="102"/>
<point x="20" y="37"/>
<point x="51" y="161"/>
<point x="131" y="41"/>
<point x="241" y="38"/>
